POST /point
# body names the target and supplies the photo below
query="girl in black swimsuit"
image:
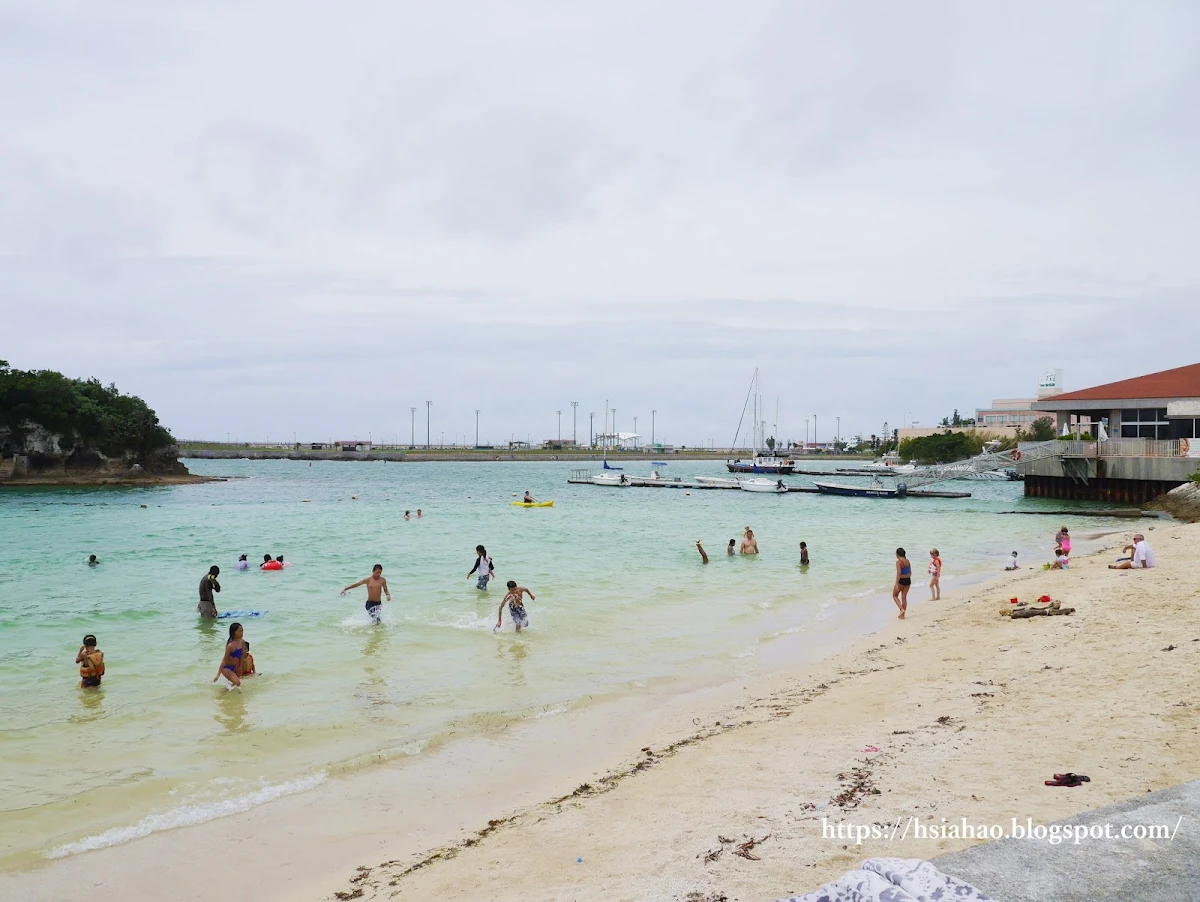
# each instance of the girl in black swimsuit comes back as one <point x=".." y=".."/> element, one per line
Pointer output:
<point x="231" y="664"/>
<point x="903" y="581"/>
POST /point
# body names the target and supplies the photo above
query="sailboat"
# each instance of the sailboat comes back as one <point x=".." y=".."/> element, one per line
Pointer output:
<point x="760" y="463"/>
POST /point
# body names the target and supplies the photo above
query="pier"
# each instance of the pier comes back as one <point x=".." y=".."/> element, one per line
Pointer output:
<point x="646" y="482"/>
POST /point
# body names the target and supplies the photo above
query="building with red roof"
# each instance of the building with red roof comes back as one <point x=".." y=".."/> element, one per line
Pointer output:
<point x="1164" y="405"/>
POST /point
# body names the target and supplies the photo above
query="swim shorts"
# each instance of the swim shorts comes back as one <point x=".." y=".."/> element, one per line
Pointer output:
<point x="482" y="582"/>
<point x="91" y="682"/>
<point x="375" y="610"/>
<point x="207" y="608"/>
<point x="905" y="581"/>
<point x="520" y="618"/>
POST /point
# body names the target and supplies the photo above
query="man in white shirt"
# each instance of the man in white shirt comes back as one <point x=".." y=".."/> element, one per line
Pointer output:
<point x="1143" y="556"/>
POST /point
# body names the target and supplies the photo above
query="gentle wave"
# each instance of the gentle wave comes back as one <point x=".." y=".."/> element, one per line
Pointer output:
<point x="187" y="816"/>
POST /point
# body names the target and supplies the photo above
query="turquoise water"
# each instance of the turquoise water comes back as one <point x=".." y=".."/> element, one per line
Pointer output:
<point x="622" y="601"/>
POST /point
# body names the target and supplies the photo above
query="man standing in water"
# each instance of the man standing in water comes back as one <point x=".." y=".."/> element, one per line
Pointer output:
<point x="208" y="584"/>
<point x="376" y="587"/>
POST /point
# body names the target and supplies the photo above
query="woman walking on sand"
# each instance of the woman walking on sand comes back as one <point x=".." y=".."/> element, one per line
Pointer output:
<point x="903" y="582"/>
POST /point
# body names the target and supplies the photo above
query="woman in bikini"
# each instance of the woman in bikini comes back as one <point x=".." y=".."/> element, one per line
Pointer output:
<point x="903" y="582"/>
<point x="231" y="664"/>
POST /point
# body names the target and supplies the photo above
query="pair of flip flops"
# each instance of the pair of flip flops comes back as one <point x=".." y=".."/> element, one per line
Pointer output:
<point x="1069" y="780"/>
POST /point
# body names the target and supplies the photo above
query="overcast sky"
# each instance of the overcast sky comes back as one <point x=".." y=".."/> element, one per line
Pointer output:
<point x="290" y="217"/>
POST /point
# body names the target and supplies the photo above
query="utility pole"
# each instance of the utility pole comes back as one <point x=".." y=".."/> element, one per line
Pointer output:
<point x="814" y="428"/>
<point x="428" y="404"/>
<point x="838" y="440"/>
<point x="652" y="414"/>
<point x="574" y="434"/>
<point x="615" y="439"/>
<point x="412" y="438"/>
<point x="559" y="412"/>
<point x="477" y="429"/>
<point x="806" y="435"/>
<point x="591" y="428"/>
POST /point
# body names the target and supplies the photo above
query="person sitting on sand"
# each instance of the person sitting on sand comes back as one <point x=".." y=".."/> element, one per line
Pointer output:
<point x="93" y="560"/>
<point x="1061" y="561"/>
<point x="231" y="662"/>
<point x="703" y="554"/>
<point x="903" y="582"/>
<point x="935" y="575"/>
<point x="1012" y="564"/>
<point x="91" y="663"/>
<point x="749" y="543"/>
<point x="731" y="548"/>
<point x="515" y="607"/>
<point x="804" y="561"/>
<point x="529" y="499"/>
<point x="1143" y="556"/>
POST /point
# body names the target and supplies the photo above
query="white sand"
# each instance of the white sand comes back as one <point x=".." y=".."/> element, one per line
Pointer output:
<point x="1092" y="693"/>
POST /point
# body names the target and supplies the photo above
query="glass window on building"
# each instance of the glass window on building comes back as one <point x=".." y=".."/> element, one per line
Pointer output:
<point x="1145" y="422"/>
<point x="1185" y="428"/>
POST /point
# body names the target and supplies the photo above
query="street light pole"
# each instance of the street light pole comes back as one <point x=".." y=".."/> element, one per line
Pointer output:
<point x="574" y="433"/>
<point x="806" y="435"/>
<point x="838" y="440"/>
<point x="412" y="436"/>
<point x="559" y="412"/>
<point x="814" y="428"/>
<point x="591" y="428"/>
<point x="428" y="404"/>
<point x="653" y="413"/>
<point x="635" y="431"/>
<point x="615" y="439"/>
<point x="476" y="428"/>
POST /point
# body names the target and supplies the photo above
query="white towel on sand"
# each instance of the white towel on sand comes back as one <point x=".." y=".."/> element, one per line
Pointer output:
<point x="894" y="880"/>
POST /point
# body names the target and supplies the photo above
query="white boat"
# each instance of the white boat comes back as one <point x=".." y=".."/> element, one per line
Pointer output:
<point x="619" y="479"/>
<point x="657" y="474"/>
<point x="725" y="481"/>
<point x="767" y="486"/>
<point x="759" y="463"/>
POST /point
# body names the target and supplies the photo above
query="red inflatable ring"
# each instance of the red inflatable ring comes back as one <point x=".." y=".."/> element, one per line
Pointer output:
<point x="1015" y="454"/>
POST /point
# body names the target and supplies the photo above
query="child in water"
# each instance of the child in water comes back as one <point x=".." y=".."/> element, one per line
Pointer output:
<point x="247" y="662"/>
<point x="91" y="663"/>
<point x="231" y="662"/>
<point x="515" y="606"/>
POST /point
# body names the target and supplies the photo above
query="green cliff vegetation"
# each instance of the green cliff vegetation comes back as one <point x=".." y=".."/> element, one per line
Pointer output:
<point x="84" y="414"/>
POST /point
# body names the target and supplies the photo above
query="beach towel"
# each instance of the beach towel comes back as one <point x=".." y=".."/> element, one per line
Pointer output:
<point x="894" y="880"/>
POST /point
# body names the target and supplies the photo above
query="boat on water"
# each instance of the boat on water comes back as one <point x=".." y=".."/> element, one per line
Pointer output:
<point x="767" y="463"/>
<point x="876" y="489"/>
<point x="619" y="479"/>
<point x="765" y="486"/>
<point x="730" y="482"/>
<point x="549" y="503"/>
<point x="657" y="474"/>
<point x="763" y="463"/>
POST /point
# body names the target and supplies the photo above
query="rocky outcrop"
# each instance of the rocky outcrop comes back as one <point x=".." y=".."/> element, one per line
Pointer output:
<point x="1182" y="503"/>
<point x="37" y="456"/>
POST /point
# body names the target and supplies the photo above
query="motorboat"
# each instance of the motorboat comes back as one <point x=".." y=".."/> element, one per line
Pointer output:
<point x="657" y="474"/>
<point x="728" y="482"/>
<point x="876" y="489"/>
<point x="618" y="479"/>
<point x="766" y="486"/>
<point x="763" y="463"/>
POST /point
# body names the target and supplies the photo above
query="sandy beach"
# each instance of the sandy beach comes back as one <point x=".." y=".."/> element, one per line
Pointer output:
<point x="955" y="713"/>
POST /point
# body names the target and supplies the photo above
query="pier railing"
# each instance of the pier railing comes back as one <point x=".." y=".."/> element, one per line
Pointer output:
<point x="1123" y="447"/>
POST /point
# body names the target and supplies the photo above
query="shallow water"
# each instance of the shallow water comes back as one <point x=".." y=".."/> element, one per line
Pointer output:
<point x="622" y="601"/>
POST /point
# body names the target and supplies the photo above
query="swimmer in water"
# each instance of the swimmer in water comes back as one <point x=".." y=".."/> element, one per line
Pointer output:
<point x="407" y="516"/>
<point x="376" y="586"/>
<point x="419" y="514"/>
<point x="243" y="563"/>
<point x="703" y="555"/>
<point x="515" y="607"/>
<point x="208" y="585"/>
<point x="247" y="662"/>
<point x="93" y="560"/>
<point x="266" y="560"/>
<point x="804" y="562"/>
<point x="731" y="548"/>
<point x="231" y="663"/>
<point x="749" y="543"/>
<point x="91" y="663"/>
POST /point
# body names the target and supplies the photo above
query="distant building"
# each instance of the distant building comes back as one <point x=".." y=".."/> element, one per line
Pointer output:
<point x="1007" y="415"/>
<point x="354" y="445"/>
<point x="1162" y="406"/>
<point x="318" y="446"/>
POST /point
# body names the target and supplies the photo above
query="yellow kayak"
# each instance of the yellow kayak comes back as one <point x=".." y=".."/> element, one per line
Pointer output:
<point x="533" y="504"/>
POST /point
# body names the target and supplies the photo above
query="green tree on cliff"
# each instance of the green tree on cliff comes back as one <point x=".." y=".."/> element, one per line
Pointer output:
<point x="83" y="413"/>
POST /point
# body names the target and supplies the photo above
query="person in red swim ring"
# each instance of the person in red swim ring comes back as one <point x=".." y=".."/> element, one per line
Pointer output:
<point x="269" y="564"/>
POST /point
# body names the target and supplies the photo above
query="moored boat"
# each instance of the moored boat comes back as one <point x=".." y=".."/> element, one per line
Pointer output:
<point x="610" y="479"/>
<point x="766" y="486"/>
<point x="762" y="463"/>
<point x="875" y="490"/>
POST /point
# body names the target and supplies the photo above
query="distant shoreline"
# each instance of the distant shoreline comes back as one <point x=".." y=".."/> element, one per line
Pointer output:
<point x="482" y="456"/>
<point x="65" y="480"/>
